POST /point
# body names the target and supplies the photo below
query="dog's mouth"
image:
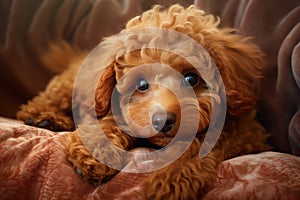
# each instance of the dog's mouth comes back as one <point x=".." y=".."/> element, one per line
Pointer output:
<point x="161" y="140"/>
<point x="146" y="143"/>
<point x="157" y="141"/>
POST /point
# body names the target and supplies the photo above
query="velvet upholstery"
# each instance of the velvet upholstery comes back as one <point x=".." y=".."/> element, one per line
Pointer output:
<point x="275" y="28"/>
<point x="27" y="27"/>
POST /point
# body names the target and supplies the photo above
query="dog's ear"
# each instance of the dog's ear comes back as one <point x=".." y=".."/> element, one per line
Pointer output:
<point x="104" y="91"/>
<point x="240" y="63"/>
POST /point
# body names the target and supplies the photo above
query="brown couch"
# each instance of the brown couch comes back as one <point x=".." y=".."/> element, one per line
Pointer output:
<point x="28" y="26"/>
<point x="275" y="28"/>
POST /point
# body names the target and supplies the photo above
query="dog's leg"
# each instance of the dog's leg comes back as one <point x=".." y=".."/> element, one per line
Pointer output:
<point x="87" y="165"/>
<point x="91" y="164"/>
<point x="52" y="108"/>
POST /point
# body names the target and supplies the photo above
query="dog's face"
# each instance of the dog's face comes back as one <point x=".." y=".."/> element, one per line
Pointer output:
<point x="156" y="99"/>
<point x="160" y="93"/>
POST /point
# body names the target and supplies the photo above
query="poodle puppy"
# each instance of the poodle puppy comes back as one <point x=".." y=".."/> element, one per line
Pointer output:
<point x="146" y="106"/>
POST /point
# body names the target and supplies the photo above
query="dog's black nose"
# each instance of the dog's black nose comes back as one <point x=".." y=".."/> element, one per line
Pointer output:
<point x="163" y="122"/>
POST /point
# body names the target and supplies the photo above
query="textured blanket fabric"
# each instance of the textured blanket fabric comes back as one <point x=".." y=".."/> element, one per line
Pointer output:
<point x="33" y="166"/>
<point x="265" y="176"/>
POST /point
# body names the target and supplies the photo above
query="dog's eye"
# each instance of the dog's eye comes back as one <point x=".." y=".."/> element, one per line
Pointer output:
<point x="191" y="79"/>
<point x="142" y="85"/>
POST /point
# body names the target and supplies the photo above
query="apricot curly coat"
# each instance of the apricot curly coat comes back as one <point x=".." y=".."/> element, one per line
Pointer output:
<point x="189" y="177"/>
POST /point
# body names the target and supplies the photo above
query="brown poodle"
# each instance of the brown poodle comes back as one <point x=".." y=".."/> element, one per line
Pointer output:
<point x="147" y="106"/>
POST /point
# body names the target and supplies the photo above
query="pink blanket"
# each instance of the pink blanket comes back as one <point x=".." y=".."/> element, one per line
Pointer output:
<point x="33" y="166"/>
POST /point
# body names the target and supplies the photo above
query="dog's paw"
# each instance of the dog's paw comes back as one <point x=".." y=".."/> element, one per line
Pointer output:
<point x="95" y="173"/>
<point x="48" y="120"/>
<point x="88" y="166"/>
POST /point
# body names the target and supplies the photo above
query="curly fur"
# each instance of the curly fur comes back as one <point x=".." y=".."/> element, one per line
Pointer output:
<point x="239" y="62"/>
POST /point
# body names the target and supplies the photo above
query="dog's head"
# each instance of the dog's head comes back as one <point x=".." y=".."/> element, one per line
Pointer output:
<point x="158" y="91"/>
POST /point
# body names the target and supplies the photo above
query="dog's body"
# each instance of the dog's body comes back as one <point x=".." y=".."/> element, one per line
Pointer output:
<point x="190" y="176"/>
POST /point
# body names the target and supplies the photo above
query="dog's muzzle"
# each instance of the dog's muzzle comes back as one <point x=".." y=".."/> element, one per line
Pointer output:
<point x="163" y="122"/>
